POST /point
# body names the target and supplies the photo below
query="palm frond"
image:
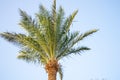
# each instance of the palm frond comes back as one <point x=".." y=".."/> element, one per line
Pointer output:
<point x="75" y="51"/>
<point x="68" y="39"/>
<point x="80" y="37"/>
<point x="28" y="56"/>
<point x="66" y="26"/>
<point x="21" y="39"/>
<point x="70" y="44"/>
<point x="24" y="40"/>
<point x="25" y="17"/>
<point x="28" y="43"/>
<point x="40" y="30"/>
<point x="60" y="18"/>
<point x="31" y="26"/>
<point x="32" y="56"/>
<point x="68" y="21"/>
<point x="48" y="30"/>
<point x="84" y="35"/>
<point x="60" y="71"/>
<point x="43" y="11"/>
<point x="54" y="12"/>
<point x="66" y="42"/>
<point x="26" y="22"/>
<point x="8" y="36"/>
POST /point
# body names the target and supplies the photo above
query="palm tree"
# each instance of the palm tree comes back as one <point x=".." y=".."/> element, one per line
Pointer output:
<point x="48" y="39"/>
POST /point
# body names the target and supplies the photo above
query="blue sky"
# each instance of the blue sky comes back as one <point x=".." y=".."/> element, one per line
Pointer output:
<point x="102" y="61"/>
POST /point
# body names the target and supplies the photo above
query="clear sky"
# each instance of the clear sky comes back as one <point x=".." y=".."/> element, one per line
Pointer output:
<point x="102" y="61"/>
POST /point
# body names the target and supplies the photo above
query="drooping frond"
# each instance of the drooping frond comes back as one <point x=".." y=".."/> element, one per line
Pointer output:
<point x="31" y="55"/>
<point x="21" y="39"/>
<point x="74" y="51"/>
<point x="28" y="55"/>
<point x="69" y="42"/>
<point x="25" y="41"/>
<point x="60" y="71"/>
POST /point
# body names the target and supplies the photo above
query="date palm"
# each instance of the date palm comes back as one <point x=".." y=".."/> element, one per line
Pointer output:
<point x="48" y="38"/>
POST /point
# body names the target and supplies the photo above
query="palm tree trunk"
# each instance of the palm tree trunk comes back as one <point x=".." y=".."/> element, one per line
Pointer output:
<point x="51" y="68"/>
<point x="52" y="74"/>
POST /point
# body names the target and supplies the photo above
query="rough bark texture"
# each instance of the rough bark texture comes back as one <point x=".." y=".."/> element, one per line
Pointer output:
<point x="52" y="74"/>
<point x="52" y="68"/>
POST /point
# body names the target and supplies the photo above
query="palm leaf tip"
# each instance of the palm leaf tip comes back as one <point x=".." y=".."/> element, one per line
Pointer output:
<point x="8" y="36"/>
<point x="95" y="30"/>
<point x="74" y="13"/>
<point x="86" y="34"/>
<point x="84" y="48"/>
<point x="90" y="32"/>
<point x="24" y="17"/>
<point x="21" y="55"/>
<point x="22" y="13"/>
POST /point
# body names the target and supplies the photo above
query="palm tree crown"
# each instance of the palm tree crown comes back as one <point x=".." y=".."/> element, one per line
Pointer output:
<point x="48" y="37"/>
